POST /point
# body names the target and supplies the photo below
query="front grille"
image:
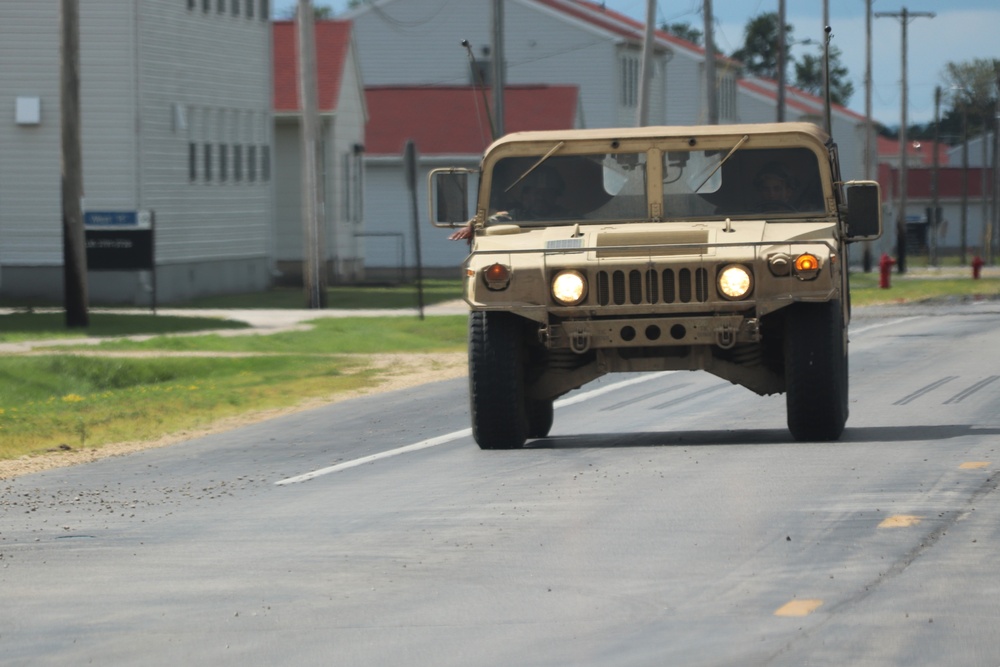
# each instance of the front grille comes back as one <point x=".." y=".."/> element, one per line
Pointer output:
<point x="650" y="286"/>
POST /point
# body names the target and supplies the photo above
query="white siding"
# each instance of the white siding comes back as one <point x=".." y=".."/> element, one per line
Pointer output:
<point x="30" y="211"/>
<point x="143" y="75"/>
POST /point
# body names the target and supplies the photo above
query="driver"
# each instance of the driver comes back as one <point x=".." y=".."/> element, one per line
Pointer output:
<point x="775" y="188"/>
<point x="538" y="193"/>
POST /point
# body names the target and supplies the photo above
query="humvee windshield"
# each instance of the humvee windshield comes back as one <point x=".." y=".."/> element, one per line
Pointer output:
<point x="752" y="183"/>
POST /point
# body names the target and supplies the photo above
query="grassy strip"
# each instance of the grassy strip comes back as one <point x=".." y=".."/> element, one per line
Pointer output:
<point x="865" y="290"/>
<point x="16" y="327"/>
<point x="339" y="298"/>
<point x="60" y="399"/>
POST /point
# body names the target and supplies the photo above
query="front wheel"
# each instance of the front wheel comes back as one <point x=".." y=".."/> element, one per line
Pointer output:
<point x="541" y="413"/>
<point x="496" y="380"/>
<point x="816" y="371"/>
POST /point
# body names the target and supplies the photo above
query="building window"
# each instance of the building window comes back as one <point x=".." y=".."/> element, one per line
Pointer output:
<point x="629" y="80"/>
<point x="208" y="162"/>
<point x="251" y="163"/>
<point x="265" y="163"/>
<point x="206" y="5"/>
<point x="223" y="163"/>
<point x="265" y="10"/>
<point x="220" y="6"/>
<point x="250" y="4"/>
<point x="237" y="162"/>
<point x="192" y="162"/>
<point x="191" y="4"/>
<point x="236" y="7"/>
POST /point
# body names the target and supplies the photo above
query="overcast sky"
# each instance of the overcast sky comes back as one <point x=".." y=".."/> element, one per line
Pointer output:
<point x="961" y="30"/>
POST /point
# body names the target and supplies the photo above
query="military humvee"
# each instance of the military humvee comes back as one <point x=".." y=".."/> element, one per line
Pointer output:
<point x="657" y="248"/>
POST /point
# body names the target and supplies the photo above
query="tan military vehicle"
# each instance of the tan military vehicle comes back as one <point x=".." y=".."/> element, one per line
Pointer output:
<point x="718" y="248"/>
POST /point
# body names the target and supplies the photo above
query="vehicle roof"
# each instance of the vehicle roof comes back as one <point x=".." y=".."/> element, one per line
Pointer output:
<point x="807" y="131"/>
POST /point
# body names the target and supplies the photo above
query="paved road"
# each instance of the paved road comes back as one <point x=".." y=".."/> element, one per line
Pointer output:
<point x="670" y="519"/>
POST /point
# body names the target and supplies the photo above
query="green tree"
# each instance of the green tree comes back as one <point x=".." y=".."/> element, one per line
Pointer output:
<point x="685" y="31"/>
<point x="809" y="77"/>
<point x="759" y="53"/>
<point x="971" y="88"/>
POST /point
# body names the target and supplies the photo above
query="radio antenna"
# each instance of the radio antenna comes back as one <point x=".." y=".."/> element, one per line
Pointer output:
<point x="482" y="86"/>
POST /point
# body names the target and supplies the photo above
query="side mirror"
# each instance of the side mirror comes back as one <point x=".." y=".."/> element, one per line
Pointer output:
<point x="449" y="197"/>
<point x="863" y="221"/>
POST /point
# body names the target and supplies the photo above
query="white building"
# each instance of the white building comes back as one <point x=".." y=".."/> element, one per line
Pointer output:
<point x="176" y="119"/>
<point x="341" y="136"/>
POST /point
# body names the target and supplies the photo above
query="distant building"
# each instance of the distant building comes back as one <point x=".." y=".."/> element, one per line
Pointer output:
<point x="343" y="114"/>
<point x="176" y="120"/>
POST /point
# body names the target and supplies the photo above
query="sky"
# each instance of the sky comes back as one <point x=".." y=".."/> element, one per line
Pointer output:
<point x="960" y="31"/>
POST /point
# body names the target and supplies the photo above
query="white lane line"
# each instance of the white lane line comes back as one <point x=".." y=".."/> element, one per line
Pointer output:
<point x="852" y="330"/>
<point x="449" y="437"/>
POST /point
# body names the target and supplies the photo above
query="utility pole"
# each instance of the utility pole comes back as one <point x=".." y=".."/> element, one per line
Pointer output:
<point x="869" y="128"/>
<point x="996" y="156"/>
<point x="313" y="256"/>
<point x="645" y="67"/>
<point x="964" y="224"/>
<point x="781" y="61"/>
<point x="904" y="16"/>
<point x="74" y="241"/>
<point x="711" y="85"/>
<point x="932" y="218"/>
<point x="498" y="67"/>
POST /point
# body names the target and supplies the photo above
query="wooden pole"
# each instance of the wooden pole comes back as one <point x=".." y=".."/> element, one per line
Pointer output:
<point x="313" y="254"/>
<point x="74" y="241"/>
<point x="645" y="66"/>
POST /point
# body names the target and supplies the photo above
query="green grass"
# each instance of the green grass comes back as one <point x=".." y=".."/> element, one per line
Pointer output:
<point x="906" y="288"/>
<point x="60" y="399"/>
<point x="15" y="327"/>
<point x="350" y="297"/>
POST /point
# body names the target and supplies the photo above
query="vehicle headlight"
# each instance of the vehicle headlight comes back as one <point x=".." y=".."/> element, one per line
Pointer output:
<point x="735" y="281"/>
<point x="569" y="287"/>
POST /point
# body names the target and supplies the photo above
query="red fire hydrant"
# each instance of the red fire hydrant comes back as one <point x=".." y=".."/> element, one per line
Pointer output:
<point x="885" y="264"/>
<point x="977" y="267"/>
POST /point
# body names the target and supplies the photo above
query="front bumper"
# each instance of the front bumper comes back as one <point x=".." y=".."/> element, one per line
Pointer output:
<point x="582" y="335"/>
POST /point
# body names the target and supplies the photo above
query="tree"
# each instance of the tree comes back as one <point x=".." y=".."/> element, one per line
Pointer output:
<point x="685" y="31"/>
<point x="809" y="77"/>
<point x="320" y="13"/>
<point x="759" y="53"/>
<point x="971" y="88"/>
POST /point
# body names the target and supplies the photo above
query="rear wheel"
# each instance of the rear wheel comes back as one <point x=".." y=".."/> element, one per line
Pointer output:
<point x="816" y="371"/>
<point x="496" y="380"/>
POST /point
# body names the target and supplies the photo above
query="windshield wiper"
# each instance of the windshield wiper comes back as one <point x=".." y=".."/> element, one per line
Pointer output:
<point x="536" y="165"/>
<point x="723" y="161"/>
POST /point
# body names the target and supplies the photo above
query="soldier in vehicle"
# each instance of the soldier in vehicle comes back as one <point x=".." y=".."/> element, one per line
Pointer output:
<point x="538" y="192"/>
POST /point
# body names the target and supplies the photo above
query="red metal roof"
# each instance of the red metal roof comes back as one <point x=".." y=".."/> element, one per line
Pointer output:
<point x="332" y="41"/>
<point x="450" y="120"/>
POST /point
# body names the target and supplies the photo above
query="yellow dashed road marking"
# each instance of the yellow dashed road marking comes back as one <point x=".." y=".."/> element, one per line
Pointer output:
<point x="900" y="521"/>
<point x="974" y="465"/>
<point x="798" y="608"/>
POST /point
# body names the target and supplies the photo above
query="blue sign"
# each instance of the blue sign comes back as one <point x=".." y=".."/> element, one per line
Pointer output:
<point x="110" y="219"/>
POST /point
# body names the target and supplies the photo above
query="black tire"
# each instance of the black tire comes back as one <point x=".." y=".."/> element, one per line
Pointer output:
<point x="540" y="416"/>
<point x="816" y="372"/>
<point x="496" y="380"/>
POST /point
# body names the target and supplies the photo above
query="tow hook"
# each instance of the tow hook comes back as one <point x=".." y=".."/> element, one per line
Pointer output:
<point x="725" y="337"/>
<point x="579" y="341"/>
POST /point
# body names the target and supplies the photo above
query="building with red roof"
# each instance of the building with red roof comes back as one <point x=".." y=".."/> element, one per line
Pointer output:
<point x="342" y="119"/>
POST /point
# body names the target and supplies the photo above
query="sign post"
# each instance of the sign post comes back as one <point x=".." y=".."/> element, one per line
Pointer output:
<point x="121" y="241"/>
